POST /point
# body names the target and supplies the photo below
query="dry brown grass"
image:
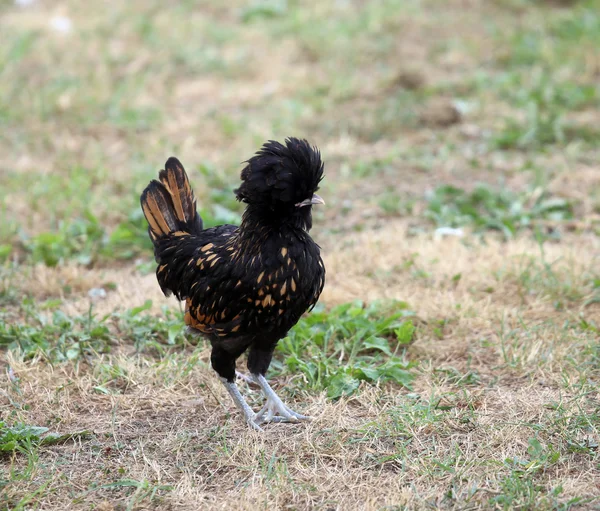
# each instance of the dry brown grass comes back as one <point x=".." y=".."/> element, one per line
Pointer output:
<point x="172" y="434"/>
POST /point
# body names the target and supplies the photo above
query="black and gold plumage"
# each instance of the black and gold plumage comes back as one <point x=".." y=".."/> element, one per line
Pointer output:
<point x="244" y="287"/>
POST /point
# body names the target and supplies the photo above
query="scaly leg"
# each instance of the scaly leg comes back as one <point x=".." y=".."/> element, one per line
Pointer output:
<point x="274" y="405"/>
<point x="240" y="402"/>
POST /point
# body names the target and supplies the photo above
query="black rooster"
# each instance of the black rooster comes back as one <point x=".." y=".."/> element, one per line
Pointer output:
<point x="245" y="286"/>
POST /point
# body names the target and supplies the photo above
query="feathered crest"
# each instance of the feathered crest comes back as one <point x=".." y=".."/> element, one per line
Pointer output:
<point x="279" y="176"/>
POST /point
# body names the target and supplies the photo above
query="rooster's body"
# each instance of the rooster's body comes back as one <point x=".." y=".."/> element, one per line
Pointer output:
<point x="245" y="286"/>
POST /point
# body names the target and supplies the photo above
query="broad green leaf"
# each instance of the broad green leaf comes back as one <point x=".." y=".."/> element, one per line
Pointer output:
<point x="378" y="343"/>
<point x="342" y="384"/>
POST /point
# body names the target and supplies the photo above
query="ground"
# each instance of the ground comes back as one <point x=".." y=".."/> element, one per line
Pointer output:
<point x="453" y="362"/>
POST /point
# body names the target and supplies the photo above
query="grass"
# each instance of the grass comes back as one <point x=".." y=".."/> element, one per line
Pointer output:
<point x="445" y="369"/>
<point x="337" y="350"/>
<point x="58" y="337"/>
<point x="23" y="438"/>
<point x="486" y="209"/>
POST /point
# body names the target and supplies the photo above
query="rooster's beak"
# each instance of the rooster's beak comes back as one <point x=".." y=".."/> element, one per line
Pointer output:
<point x="316" y="199"/>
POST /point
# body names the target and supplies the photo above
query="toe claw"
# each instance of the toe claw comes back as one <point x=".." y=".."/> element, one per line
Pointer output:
<point x="279" y="419"/>
<point x="255" y="426"/>
<point x="301" y="417"/>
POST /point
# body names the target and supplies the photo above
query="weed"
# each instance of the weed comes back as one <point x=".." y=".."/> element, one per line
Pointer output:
<point x="535" y="81"/>
<point x="86" y="241"/>
<point x="59" y="337"/>
<point x="520" y="488"/>
<point x="488" y="209"/>
<point x="336" y="350"/>
<point x="546" y="104"/>
<point x="23" y="438"/>
<point x="150" y="332"/>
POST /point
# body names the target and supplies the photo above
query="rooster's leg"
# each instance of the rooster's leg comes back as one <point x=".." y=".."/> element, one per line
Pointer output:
<point x="274" y="405"/>
<point x="250" y="417"/>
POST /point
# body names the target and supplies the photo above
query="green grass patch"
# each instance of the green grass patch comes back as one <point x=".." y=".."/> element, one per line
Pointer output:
<point x="521" y="488"/>
<point x="547" y="102"/>
<point x="336" y="350"/>
<point x="57" y="337"/>
<point x="487" y="209"/>
<point x="22" y="438"/>
<point x="87" y="241"/>
<point x="559" y="37"/>
<point x="545" y="72"/>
